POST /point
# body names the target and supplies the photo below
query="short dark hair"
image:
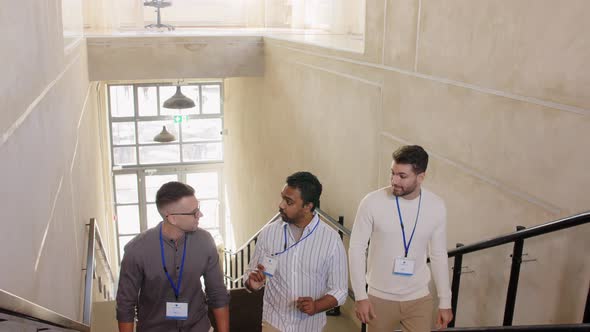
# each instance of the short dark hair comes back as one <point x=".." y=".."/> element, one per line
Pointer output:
<point x="413" y="155"/>
<point x="172" y="192"/>
<point x="309" y="186"/>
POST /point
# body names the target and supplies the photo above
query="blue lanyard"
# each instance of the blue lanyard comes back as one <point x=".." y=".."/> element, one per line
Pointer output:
<point x="296" y="243"/>
<point x="401" y="222"/>
<point x="175" y="288"/>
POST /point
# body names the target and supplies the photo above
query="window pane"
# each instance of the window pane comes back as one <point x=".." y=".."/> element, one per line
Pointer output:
<point x="201" y="130"/>
<point x="203" y="13"/>
<point x="159" y="154"/>
<point x="149" y="129"/>
<point x="123" y="240"/>
<point x="121" y="100"/>
<point x="202" y="151"/>
<point x="124" y="156"/>
<point x="147" y="100"/>
<point x="191" y="92"/>
<point x="128" y="219"/>
<point x="211" y="99"/>
<point x="153" y="217"/>
<point x="154" y="182"/>
<point x="205" y="184"/>
<point x="210" y="210"/>
<point x="126" y="188"/>
<point x="123" y="133"/>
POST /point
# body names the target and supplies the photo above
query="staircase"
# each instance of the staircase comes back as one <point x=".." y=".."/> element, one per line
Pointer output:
<point x="236" y="261"/>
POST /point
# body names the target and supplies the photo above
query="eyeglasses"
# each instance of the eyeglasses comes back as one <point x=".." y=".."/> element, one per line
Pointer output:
<point x="195" y="213"/>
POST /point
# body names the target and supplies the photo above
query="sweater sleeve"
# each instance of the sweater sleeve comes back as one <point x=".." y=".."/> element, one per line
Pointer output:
<point x="357" y="251"/>
<point x="440" y="261"/>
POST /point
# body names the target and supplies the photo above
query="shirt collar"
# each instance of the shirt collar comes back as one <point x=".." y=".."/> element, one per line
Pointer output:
<point x="309" y="226"/>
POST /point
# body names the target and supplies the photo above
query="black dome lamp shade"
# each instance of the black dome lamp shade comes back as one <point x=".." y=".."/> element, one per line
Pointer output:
<point x="164" y="136"/>
<point x="179" y="101"/>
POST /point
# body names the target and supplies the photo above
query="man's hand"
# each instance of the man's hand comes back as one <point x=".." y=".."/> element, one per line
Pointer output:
<point x="444" y="317"/>
<point x="364" y="311"/>
<point x="256" y="278"/>
<point x="221" y="318"/>
<point x="306" y="305"/>
<point x="126" y="326"/>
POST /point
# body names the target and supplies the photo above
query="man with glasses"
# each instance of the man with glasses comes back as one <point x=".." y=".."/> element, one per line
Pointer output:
<point x="301" y="260"/>
<point x="161" y="271"/>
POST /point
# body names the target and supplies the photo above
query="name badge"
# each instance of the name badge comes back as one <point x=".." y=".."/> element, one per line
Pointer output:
<point x="270" y="265"/>
<point x="404" y="266"/>
<point x="177" y="310"/>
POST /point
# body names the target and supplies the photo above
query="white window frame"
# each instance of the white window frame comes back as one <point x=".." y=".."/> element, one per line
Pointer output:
<point x="181" y="169"/>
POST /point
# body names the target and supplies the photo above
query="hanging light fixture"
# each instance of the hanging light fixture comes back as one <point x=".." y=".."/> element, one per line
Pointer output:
<point x="164" y="136"/>
<point x="179" y="101"/>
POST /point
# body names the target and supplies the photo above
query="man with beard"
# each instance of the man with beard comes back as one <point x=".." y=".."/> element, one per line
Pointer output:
<point x="401" y="221"/>
<point x="162" y="268"/>
<point x="301" y="260"/>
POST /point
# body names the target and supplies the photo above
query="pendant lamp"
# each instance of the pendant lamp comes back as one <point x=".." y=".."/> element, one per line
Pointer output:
<point x="179" y="101"/>
<point x="164" y="136"/>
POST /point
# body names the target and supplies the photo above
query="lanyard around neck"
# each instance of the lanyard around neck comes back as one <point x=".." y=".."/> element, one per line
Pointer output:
<point x="296" y="243"/>
<point x="176" y="288"/>
<point x="401" y="222"/>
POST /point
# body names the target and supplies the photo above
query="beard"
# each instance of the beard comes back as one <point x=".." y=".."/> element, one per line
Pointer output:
<point x="401" y="192"/>
<point x="286" y="218"/>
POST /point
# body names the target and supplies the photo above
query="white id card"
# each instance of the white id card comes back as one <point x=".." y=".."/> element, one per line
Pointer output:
<point x="177" y="310"/>
<point x="404" y="266"/>
<point x="270" y="265"/>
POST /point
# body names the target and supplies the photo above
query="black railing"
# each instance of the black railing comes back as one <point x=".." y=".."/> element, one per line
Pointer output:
<point x="235" y="262"/>
<point x="234" y="279"/>
<point x="525" y="328"/>
<point x="517" y="238"/>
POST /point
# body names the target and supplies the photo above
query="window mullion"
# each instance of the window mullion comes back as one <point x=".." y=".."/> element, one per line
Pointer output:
<point x="142" y="200"/>
<point x="136" y="114"/>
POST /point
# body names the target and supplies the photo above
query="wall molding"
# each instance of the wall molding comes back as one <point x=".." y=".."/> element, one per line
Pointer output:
<point x="49" y="222"/>
<point x="482" y="177"/>
<point x="337" y="73"/>
<point x="509" y="95"/>
<point x="21" y="119"/>
<point x="418" y="21"/>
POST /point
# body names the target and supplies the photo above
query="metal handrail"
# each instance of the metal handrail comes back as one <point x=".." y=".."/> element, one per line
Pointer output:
<point x="94" y="238"/>
<point x="549" y="227"/>
<point x="240" y="251"/>
<point x="232" y="252"/>
<point x="517" y="238"/>
<point x="334" y="222"/>
<point x="17" y="306"/>
<point x="104" y="253"/>
<point x="547" y="327"/>
<point x="14" y="305"/>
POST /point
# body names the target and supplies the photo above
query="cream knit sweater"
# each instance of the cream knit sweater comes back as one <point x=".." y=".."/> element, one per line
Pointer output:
<point x="377" y="219"/>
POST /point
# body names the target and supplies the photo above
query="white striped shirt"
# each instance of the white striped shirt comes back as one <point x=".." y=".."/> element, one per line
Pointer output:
<point x="315" y="267"/>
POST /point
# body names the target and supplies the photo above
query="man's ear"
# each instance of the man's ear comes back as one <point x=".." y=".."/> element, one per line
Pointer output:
<point x="420" y="177"/>
<point x="308" y="206"/>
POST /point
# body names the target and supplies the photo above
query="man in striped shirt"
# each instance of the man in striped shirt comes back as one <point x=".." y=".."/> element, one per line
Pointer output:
<point x="301" y="260"/>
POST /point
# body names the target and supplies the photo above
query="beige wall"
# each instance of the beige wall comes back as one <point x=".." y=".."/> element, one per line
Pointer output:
<point x="51" y="172"/>
<point x="501" y="104"/>
<point x="173" y="57"/>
